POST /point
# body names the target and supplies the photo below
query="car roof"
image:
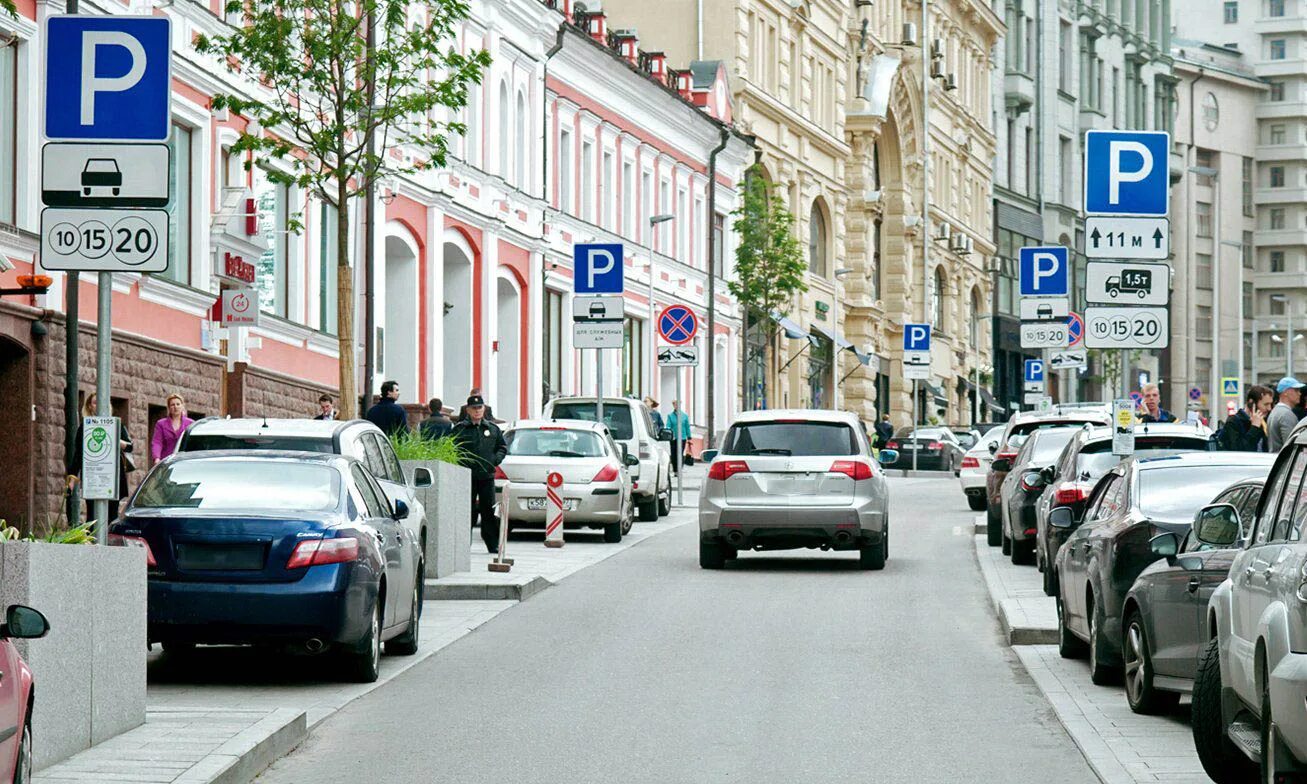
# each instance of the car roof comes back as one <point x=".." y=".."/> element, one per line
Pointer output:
<point x="1074" y="416"/>
<point x="809" y="414"/>
<point x="1152" y="429"/>
<point x="269" y="455"/>
<point x="570" y="424"/>
<point x="1181" y="459"/>
<point x="322" y="429"/>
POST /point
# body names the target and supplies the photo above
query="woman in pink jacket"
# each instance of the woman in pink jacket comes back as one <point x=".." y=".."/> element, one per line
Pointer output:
<point x="168" y="431"/>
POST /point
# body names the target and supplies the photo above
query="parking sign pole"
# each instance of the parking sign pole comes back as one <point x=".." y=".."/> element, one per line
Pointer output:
<point x="916" y="414"/>
<point x="680" y="447"/>
<point x="103" y="368"/>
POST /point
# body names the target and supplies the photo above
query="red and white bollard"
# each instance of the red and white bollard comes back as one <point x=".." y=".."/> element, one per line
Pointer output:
<point x="553" y="510"/>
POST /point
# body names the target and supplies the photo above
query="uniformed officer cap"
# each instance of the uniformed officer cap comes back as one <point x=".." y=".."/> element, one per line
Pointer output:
<point x="476" y="400"/>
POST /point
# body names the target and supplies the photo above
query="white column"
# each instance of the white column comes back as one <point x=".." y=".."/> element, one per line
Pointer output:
<point x="435" y="283"/>
<point x="489" y="327"/>
<point x="534" y="350"/>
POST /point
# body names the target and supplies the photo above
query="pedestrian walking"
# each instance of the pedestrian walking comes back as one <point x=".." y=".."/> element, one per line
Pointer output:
<point x="884" y="432"/>
<point x="476" y="392"/>
<point x="655" y="415"/>
<point x="327" y="408"/>
<point x="168" y="431"/>
<point x="679" y="423"/>
<point x="125" y="462"/>
<point x="437" y="425"/>
<point x="483" y="447"/>
<point x="1246" y="430"/>
<point x="1153" y="411"/>
<point x="388" y="414"/>
<point x="1282" y="419"/>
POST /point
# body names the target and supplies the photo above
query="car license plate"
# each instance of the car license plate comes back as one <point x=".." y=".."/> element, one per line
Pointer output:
<point x="538" y="504"/>
<point x="910" y="447"/>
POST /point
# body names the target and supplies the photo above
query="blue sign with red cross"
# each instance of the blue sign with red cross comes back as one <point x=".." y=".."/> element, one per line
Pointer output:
<point x="677" y="324"/>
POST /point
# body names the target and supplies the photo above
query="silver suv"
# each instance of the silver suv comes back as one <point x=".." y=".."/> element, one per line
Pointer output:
<point x="1250" y="691"/>
<point x="629" y="422"/>
<point x="790" y="479"/>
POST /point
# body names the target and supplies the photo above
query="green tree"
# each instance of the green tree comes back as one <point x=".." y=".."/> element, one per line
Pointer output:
<point x="769" y="263"/>
<point x="330" y="91"/>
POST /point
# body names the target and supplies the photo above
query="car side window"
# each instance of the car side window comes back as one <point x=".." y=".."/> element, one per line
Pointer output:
<point x="394" y="472"/>
<point x="1248" y="508"/>
<point x="1097" y="505"/>
<point x="372" y="454"/>
<point x="1297" y="486"/>
<point x="1274" y="497"/>
<point x="374" y="504"/>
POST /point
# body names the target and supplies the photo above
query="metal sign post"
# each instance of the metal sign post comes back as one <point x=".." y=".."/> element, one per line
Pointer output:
<point x="599" y="269"/>
<point x="679" y="457"/>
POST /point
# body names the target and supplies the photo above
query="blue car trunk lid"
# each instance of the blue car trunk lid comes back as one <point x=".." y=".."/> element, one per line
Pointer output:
<point x="230" y="549"/>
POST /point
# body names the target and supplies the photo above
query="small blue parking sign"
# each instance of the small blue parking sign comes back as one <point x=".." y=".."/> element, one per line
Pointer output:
<point x="916" y="337"/>
<point x="599" y="269"/>
<point x="1127" y="172"/>
<point x="1043" y="271"/>
<point x="108" y="78"/>
<point x="1034" y="371"/>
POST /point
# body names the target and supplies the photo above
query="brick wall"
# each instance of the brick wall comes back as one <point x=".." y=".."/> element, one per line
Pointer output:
<point x="257" y="392"/>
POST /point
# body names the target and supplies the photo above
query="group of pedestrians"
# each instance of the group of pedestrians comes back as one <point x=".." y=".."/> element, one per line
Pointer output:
<point x="1267" y="418"/>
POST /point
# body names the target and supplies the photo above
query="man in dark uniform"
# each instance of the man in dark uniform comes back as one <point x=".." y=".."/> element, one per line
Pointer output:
<point x="483" y="447"/>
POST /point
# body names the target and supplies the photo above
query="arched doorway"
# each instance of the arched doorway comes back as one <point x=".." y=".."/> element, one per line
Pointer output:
<point x="456" y="318"/>
<point x="507" y="390"/>
<point x="397" y="318"/>
<point x="16" y="423"/>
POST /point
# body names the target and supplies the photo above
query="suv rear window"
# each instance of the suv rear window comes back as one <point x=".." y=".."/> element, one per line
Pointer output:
<point x="795" y="439"/>
<point x="554" y="442"/>
<point x="202" y="443"/>
<point x="616" y="415"/>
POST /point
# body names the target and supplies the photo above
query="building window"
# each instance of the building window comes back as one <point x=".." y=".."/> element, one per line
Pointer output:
<point x="1277" y="91"/>
<point x="628" y="200"/>
<point x="1203" y="262"/>
<point x="1203" y="323"/>
<point x="8" y="133"/>
<point x="1247" y="300"/>
<point x="646" y="205"/>
<point x="1246" y="249"/>
<point x="1231" y="12"/>
<point x="472" y="121"/>
<point x="1277" y="306"/>
<point x="1203" y="214"/>
<point x="1206" y="160"/>
<point x="1065" y="54"/>
<point x="565" y="171"/>
<point x="682" y="227"/>
<point x="1275" y="8"/>
<point x="719" y="249"/>
<point x="1277" y="176"/>
<point x="608" y="196"/>
<point x="664" y="207"/>
<point x="328" y="268"/>
<point x="179" y="220"/>
<point x="1277" y="133"/>
<point x="817" y="241"/>
<point x="936" y="299"/>
<point x="523" y="150"/>
<point x="1277" y="217"/>
<point x="587" y="181"/>
<point x="554" y="324"/>
<point x="1277" y="48"/>
<point x="505" y="146"/>
<point x="1276" y="261"/>
<point x="273" y="205"/>
<point x="1032" y="185"/>
<point x="1065" y="165"/>
<point x="633" y="362"/>
<point x="1248" y="187"/>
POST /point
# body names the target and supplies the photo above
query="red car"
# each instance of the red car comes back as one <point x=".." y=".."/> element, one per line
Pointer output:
<point x="16" y="694"/>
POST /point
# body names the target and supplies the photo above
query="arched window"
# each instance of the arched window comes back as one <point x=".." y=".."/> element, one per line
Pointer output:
<point x="817" y="240"/>
<point x="522" y="144"/>
<point x="505" y="141"/>
<point x="977" y="316"/>
<point x="937" y="299"/>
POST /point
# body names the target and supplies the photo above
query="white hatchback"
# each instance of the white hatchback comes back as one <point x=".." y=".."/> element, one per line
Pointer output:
<point x="975" y="465"/>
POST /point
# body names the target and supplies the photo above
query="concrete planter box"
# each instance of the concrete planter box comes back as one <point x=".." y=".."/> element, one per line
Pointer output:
<point x="448" y="502"/>
<point x="90" y="668"/>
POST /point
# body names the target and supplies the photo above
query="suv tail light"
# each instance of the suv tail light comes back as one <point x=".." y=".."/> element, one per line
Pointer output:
<point x="724" y="469"/>
<point x="970" y="462"/>
<point x="1004" y="454"/>
<point x="853" y="469"/>
<point x="499" y="473"/>
<point x="119" y="540"/>
<point x="317" y="552"/>
<point x="606" y="474"/>
<point x="1070" y="494"/>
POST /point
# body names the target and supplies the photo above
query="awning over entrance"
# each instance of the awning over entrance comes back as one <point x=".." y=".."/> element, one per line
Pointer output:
<point x="985" y="397"/>
<point x="840" y="342"/>
<point x="791" y="328"/>
<point x="938" y="393"/>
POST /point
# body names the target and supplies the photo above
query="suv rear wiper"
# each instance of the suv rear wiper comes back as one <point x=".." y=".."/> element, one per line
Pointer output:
<point x="564" y="453"/>
<point x="774" y="451"/>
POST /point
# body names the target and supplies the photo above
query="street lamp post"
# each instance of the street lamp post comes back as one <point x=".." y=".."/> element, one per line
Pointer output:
<point x="654" y="220"/>
<point x="835" y="310"/>
<point x="1289" y="338"/>
<point x="976" y="318"/>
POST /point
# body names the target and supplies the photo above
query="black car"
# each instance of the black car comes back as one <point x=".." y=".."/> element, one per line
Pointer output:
<point x="1023" y="486"/>
<point x="1165" y="613"/>
<point x="936" y="448"/>
<point x="296" y="549"/>
<point x="1082" y="463"/>
<point x="1133" y="503"/>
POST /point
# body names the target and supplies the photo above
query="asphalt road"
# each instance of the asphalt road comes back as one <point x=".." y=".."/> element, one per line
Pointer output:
<point x="794" y="667"/>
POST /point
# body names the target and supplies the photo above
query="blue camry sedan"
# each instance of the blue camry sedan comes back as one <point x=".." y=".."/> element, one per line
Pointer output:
<point x="288" y="548"/>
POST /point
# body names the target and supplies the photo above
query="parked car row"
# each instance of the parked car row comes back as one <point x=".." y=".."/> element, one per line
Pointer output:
<point x="1177" y="570"/>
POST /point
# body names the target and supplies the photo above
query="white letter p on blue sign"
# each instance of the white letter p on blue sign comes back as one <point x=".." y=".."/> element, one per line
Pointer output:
<point x="1127" y="173"/>
<point x="1043" y="271"/>
<point x="599" y="269"/>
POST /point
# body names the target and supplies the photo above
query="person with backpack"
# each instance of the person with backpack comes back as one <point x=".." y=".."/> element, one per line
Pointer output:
<point x="1246" y="430"/>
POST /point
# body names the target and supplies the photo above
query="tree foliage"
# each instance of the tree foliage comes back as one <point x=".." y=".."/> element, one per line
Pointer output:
<point x="8" y="7"/>
<point x="318" y="92"/>
<point x="769" y="263"/>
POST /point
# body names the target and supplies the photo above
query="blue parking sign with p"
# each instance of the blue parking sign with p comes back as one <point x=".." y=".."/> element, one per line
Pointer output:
<point x="599" y="269"/>
<point x="1043" y="272"/>
<point x="916" y="337"/>
<point x="1034" y="370"/>
<point x="108" y="78"/>
<point x="1127" y="172"/>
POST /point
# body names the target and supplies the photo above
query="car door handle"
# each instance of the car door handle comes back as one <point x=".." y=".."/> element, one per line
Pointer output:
<point x="1248" y="573"/>
<point x="1268" y="573"/>
<point x="1194" y="582"/>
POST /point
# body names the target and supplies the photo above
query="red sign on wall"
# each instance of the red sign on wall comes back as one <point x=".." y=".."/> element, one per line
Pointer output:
<point x="237" y="267"/>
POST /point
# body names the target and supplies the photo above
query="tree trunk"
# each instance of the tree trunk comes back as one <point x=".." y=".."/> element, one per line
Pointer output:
<point x="345" y="307"/>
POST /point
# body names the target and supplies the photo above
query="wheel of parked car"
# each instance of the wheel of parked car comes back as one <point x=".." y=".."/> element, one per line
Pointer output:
<point x="976" y="502"/>
<point x="873" y="556"/>
<point x="613" y="532"/>
<point x="712" y="555"/>
<point x="1222" y="760"/>
<point x="407" y="643"/>
<point x="23" y="766"/>
<point x="665" y="502"/>
<point x="365" y="658"/>
<point x="648" y="509"/>
<point x="1050" y="581"/>
<point x="1069" y="646"/>
<point x="994" y="527"/>
<point x="1139" y="691"/>
<point x="1007" y="542"/>
<point x="1101" y="671"/>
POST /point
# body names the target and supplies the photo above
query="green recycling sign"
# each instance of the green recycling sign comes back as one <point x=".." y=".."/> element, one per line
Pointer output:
<point x="100" y="458"/>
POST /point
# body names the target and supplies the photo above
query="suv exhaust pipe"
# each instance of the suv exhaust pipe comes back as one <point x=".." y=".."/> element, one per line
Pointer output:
<point x="843" y="538"/>
<point x="735" y="538"/>
<point x="314" y="645"/>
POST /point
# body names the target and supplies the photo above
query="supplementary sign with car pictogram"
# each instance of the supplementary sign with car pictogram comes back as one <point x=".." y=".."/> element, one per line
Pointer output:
<point x="678" y="356"/>
<point x="677" y="325"/>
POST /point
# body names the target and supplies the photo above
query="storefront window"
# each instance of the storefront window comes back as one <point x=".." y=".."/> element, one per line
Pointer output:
<point x="755" y="364"/>
<point x="273" y="223"/>
<point x="553" y="344"/>
<point x="328" y="270"/>
<point x="819" y="370"/>
<point x="179" y="212"/>
<point x="8" y="132"/>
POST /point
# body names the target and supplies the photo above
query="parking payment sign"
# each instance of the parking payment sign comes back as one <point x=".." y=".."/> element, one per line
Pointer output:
<point x="916" y="337"/>
<point x="108" y="78"/>
<point x="1123" y="427"/>
<point x="599" y="269"/>
<point x="1043" y="272"/>
<point x="1127" y="172"/>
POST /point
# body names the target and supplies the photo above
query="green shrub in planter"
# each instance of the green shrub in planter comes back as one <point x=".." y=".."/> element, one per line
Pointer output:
<point x="412" y="446"/>
<point x="81" y="534"/>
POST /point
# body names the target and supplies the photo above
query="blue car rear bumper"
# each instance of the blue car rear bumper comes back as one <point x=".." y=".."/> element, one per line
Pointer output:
<point x="331" y="603"/>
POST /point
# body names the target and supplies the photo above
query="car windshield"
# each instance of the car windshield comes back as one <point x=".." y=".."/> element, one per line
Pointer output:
<point x="1096" y="458"/>
<point x="554" y="442"/>
<point x="1175" y="494"/>
<point x="201" y="443"/>
<point x="259" y="486"/>
<point x="616" y="415"/>
<point x="795" y="439"/>
<point x="1050" y="444"/>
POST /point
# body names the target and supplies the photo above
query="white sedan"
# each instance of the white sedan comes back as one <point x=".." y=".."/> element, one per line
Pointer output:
<point x="975" y="465"/>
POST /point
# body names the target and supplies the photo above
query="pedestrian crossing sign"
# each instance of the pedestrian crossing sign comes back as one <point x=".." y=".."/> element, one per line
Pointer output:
<point x="1230" y="387"/>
